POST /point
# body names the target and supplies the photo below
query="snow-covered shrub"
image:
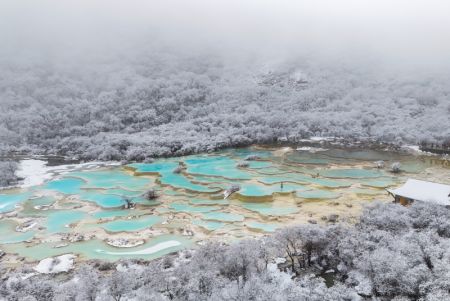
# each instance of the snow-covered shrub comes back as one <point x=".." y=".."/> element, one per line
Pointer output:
<point x="243" y="164"/>
<point x="396" y="167"/>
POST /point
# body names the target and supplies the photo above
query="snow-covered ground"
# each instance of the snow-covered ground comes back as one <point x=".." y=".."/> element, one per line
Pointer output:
<point x="319" y="139"/>
<point x="52" y="265"/>
<point x="311" y="149"/>
<point x="35" y="172"/>
<point x="148" y="251"/>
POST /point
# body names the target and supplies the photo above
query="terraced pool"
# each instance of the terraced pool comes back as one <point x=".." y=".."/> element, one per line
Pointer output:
<point x="83" y="212"/>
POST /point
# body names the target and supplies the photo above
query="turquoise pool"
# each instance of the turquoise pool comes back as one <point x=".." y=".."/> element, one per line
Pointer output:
<point x="130" y="225"/>
<point x="275" y="189"/>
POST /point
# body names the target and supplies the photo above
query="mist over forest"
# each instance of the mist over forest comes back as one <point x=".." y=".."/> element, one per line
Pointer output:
<point x="130" y="81"/>
<point x="155" y="79"/>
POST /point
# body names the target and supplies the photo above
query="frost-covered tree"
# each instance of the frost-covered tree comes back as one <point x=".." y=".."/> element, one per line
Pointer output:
<point x="8" y="173"/>
<point x="392" y="253"/>
<point x="142" y="104"/>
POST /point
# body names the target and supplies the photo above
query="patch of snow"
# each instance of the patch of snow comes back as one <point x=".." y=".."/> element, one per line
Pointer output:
<point x="125" y="243"/>
<point x="33" y="172"/>
<point x="415" y="150"/>
<point x="318" y="139"/>
<point x="282" y="151"/>
<point x="26" y="226"/>
<point x="122" y="268"/>
<point x="188" y="232"/>
<point x="379" y="164"/>
<point x="148" y="251"/>
<point x="27" y="275"/>
<point x="311" y="149"/>
<point x="36" y="172"/>
<point x="42" y="207"/>
<point x="279" y="260"/>
<point x="282" y="278"/>
<point x="53" y="265"/>
<point x="364" y="285"/>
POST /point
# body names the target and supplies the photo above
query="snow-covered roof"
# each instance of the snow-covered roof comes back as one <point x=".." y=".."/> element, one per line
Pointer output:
<point x="424" y="191"/>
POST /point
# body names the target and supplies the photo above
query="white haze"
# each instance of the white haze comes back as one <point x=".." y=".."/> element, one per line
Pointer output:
<point x="407" y="32"/>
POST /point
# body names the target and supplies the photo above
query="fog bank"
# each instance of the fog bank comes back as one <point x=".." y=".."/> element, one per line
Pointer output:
<point x="408" y="33"/>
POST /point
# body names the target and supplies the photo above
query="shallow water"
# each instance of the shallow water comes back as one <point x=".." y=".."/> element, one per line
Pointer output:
<point x="276" y="190"/>
<point x="8" y="234"/>
<point x="66" y="185"/>
<point x="209" y="202"/>
<point x="352" y="173"/>
<point x="259" y="190"/>
<point x="262" y="226"/>
<point x="59" y="221"/>
<point x="111" y="179"/>
<point x="129" y="225"/>
<point x="9" y="200"/>
<point x="180" y="207"/>
<point x="168" y="177"/>
<point x="102" y="199"/>
<point x="208" y="225"/>
<point x="219" y="166"/>
<point x="268" y="209"/>
<point x="97" y="249"/>
<point x="318" y="194"/>
<point x="107" y="214"/>
<point x="223" y="217"/>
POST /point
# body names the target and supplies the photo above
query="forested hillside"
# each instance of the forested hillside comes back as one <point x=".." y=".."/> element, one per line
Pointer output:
<point x="393" y="253"/>
<point x="155" y="103"/>
<point x="151" y="78"/>
<point x="138" y="79"/>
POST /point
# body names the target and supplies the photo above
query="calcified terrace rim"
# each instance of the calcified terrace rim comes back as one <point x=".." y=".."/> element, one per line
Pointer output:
<point x="188" y="216"/>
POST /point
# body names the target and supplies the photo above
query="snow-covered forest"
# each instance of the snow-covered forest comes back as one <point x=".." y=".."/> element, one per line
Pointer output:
<point x="393" y="253"/>
<point x="164" y="104"/>
<point x="146" y="88"/>
<point x="139" y="79"/>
